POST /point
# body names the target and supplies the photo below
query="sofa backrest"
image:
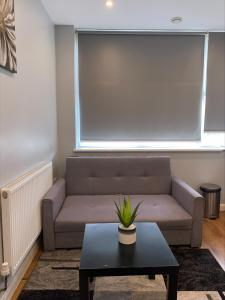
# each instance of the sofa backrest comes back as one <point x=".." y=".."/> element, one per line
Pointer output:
<point x="118" y="175"/>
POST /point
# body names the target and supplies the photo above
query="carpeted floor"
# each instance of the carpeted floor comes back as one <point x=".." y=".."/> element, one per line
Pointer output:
<point x="199" y="271"/>
<point x="56" y="278"/>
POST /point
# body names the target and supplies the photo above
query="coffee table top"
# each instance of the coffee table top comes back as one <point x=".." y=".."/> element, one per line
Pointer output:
<point x="102" y="251"/>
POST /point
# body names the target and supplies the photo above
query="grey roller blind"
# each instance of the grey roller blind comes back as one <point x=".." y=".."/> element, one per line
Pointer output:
<point x="215" y="96"/>
<point x="140" y="86"/>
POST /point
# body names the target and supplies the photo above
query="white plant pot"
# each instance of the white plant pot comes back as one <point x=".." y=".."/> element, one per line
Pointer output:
<point x="127" y="235"/>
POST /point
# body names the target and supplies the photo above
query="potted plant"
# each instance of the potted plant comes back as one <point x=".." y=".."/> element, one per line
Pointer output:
<point x="127" y="215"/>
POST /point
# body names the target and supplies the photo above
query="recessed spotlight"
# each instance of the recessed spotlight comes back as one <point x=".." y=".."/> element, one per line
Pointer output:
<point x="109" y="3"/>
<point x="176" y="20"/>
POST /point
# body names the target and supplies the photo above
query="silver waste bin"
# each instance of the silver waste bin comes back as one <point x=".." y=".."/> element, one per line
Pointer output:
<point x="211" y="193"/>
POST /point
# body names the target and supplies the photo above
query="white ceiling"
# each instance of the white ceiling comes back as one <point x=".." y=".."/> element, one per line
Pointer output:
<point x="138" y="14"/>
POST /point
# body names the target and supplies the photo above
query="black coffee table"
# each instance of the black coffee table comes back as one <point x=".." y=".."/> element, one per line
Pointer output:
<point x="102" y="255"/>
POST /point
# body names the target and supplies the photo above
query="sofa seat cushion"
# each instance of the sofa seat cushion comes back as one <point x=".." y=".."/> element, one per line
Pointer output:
<point x="164" y="210"/>
<point x="79" y="210"/>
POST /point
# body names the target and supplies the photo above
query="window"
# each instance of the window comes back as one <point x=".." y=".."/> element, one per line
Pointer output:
<point x="215" y="100"/>
<point x="139" y="90"/>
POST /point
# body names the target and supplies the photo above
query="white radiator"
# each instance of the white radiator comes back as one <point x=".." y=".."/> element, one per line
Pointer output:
<point x="21" y="213"/>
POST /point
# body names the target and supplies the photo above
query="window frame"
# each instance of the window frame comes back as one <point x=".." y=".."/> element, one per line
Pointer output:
<point x="202" y="145"/>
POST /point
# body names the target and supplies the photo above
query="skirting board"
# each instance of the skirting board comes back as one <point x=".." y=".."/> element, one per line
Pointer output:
<point x="222" y="207"/>
<point x="14" y="281"/>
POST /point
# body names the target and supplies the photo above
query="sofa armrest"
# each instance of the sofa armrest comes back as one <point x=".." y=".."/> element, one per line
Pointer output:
<point x="51" y="206"/>
<point x="193" y="203"/>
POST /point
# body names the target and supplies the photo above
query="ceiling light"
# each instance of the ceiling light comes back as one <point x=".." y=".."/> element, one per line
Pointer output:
<point x="109" y="3"/>
<point x="176" y="20"/>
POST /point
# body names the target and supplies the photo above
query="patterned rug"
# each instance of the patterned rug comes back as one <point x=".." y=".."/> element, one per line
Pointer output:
<point x="56" y="278"/>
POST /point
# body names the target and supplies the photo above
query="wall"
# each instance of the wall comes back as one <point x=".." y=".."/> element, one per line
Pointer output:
<point x="64" y="45"/>
<point x="27" y="99"/>
<point x="193" y="167"/>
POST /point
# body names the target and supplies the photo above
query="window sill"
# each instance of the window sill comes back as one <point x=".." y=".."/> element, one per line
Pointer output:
<point x="153" y="149"/>
<point x="211" y="142"/>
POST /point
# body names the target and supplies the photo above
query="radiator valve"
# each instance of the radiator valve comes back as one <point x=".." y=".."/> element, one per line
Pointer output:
<point x="5" y="269"/>
<point x="5" y="273"/>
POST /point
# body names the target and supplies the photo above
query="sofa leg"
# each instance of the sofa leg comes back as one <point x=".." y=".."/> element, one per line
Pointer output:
<point x="196" y="244"/>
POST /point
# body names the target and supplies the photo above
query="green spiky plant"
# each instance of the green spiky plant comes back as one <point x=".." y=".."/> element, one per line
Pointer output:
<point x="126" y="213"/>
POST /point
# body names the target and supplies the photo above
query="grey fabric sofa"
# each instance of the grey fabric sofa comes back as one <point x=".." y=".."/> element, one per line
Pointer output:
<point x="91" y="186"/>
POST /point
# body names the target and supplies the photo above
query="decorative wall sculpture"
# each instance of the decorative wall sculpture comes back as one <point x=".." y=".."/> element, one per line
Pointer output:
<point x="7" y="36"/>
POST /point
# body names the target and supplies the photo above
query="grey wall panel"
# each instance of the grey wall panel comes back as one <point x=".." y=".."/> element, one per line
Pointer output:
<point x="64" y="41"/>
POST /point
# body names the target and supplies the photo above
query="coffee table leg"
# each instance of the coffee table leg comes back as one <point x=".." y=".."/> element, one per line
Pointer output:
<point x="84" y="286"/>
<point x="172" y="286"/>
